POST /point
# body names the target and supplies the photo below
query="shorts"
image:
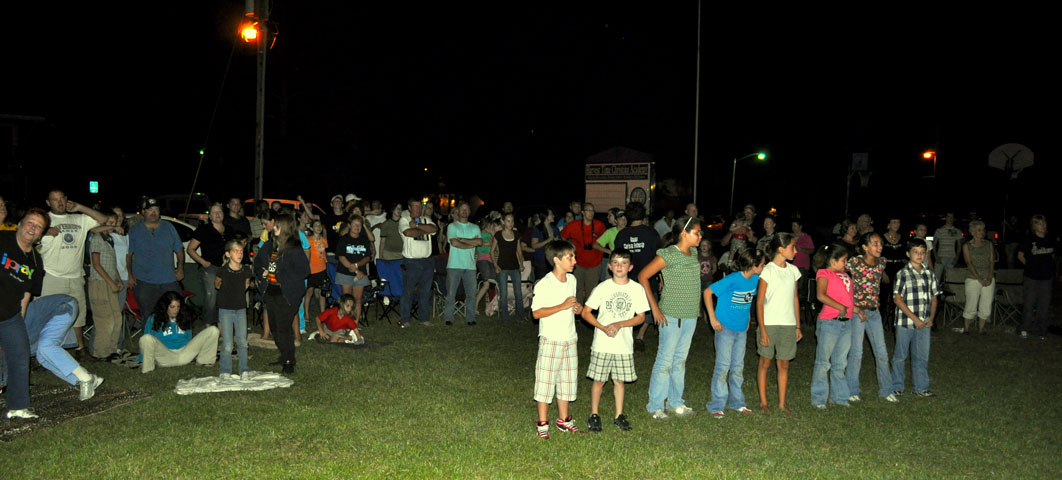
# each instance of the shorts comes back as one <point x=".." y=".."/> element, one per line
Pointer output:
<point x="782" y="345"/>
<point x="485" y="270"/>
<point x="351" y="280"/>
<point x="556" y="370"/>
<point x="318" y="280"/>
<point x="618" y="366"/>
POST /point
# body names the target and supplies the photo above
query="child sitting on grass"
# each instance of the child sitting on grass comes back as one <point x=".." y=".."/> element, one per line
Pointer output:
<point x="621" y="305"/>
<point x="557" y="364"/>
<point x="915" y="295"/>
<point x="337" y="324"/>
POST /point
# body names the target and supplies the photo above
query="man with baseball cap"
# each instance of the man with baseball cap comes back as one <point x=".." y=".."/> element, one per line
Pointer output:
<point x="152" y="244"/>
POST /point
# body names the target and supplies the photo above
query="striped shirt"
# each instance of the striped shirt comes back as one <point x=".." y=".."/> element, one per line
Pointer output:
<point x="918" y="289"/>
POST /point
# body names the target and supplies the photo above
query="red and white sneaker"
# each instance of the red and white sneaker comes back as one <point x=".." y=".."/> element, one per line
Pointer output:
<point x="567" y="425"/>
<point x="543" y="430"/>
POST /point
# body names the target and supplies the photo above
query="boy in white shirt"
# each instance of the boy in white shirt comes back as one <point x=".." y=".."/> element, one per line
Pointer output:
<point x="621" y="305"/>
<point x="556" y="368"/>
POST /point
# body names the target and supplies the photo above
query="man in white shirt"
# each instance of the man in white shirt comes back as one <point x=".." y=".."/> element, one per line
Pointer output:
<point x="418" y="269"/>
<point x="63" y="253"/>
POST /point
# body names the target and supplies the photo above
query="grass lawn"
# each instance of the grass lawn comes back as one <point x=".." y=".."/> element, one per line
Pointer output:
<point x="455" y="402"/>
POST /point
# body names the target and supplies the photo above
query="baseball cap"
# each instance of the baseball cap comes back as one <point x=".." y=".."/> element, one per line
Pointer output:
<point x="351" y="197"/>
<point x="148" y="202"/>
<point x="334" y="197"/>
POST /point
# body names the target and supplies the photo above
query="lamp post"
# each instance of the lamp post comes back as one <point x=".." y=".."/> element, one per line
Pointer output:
<point x="733" y="175"/>
<point x="932" y="155"/>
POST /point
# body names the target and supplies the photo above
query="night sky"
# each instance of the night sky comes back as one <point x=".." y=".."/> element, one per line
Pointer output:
<point x="506" y="102"/>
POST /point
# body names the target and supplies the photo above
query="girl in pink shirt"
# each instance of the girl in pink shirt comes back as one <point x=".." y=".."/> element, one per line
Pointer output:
<point x="833" y="329"/>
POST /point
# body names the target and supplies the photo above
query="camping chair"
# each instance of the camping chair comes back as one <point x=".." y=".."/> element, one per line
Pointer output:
<point x="389" y="293"/>
<point x="438" y="300"/>
<point x="527" y="283"/>
<point x="954" y="287"/>
<point x="1007" y="306"/>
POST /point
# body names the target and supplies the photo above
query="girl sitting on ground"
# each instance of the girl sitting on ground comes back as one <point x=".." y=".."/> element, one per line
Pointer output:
<point x="337" y="324"/>
<point x="168" y="340"/>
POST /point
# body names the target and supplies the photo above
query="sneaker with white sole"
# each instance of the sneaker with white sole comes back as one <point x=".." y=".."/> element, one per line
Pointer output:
<point x="660" y="415"/>
<point x="820" y="407"/>
<point x="313" y="336"/>
<point x="23" y="413"/>
<point x="682" y="411"/>
<point x="543" y="430"/>
<point x="1024" y="334"/>
<point x="718" y="415"/>
<point x="567" y="425"/>
<point x="925" y="394"/>
<point x="87" y="389"/>
<point x="891" y="398"/>
<point x="854" y="399"/>
<point x="745" y="410"/>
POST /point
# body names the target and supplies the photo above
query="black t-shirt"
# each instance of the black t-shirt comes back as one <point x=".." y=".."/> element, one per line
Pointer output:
<point x="1039" y="256"/>
<point x="332" y="223"/>
<point x="641" y="241"/>
<point x="20" y="272"/>
<point x="232" y="296"/>
<point x="240" y="224"/>
<point x="353" y="249"/>
<point x="211" y="243"/>
<point x="507" y="251"/>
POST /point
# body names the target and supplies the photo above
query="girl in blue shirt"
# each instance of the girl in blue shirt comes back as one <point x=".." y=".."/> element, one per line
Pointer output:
<point x="731" y="324"/>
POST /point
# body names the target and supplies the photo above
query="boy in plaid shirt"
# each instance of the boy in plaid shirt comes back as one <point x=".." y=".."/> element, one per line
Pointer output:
<point x="915" y="295"/>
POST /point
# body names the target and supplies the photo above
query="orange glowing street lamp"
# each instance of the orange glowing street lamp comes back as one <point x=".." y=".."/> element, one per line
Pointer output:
<point x="931" y="155"/>
<point x="249" y="32"/>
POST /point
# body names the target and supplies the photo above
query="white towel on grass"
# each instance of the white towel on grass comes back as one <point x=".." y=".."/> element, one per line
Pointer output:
<point x="255" y="381"/>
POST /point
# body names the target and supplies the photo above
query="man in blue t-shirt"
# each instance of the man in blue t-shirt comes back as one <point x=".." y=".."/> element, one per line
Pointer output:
<point x="464" y="237"/>
<point x="152" y="245"/>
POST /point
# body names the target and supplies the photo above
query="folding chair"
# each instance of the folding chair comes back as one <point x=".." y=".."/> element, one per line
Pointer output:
<point x="438" y="300"/>
<point x="1007" y="306"/>
<point x="390" y="292"/>
<point x="954" y="287"/>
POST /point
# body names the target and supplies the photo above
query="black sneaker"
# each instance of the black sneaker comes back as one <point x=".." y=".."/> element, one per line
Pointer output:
<point x="925" y="394"/>
<point x="898" y="393"/>
<point x="594" y="423"/>
<point x="621" y="422"/>
<point x="449" y="323"/>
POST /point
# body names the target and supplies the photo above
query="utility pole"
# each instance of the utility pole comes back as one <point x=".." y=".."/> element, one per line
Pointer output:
<point x="259" y="10"/>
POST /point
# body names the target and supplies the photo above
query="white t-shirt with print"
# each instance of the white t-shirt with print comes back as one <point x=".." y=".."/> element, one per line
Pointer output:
<point x="64" y="254"/>
<point x="778" y="308"/>
<point x="616" y="303"/>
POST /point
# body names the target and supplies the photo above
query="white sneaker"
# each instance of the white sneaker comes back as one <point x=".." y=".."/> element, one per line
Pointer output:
<point x="1024" y="334"/>
<point x="820" y="407"/>
<point x="854" y="398"/>
<point x="23" y="413"/>
<point x="313" y="336"/>
<point x="892" y="398"/>
<point x="682" y="411"/>
<point x="87" y="389"/>
<point x="245" y="375"/>
<point x="660" y="415"/>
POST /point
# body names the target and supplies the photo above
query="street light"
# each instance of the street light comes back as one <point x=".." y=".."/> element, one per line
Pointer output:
<point x="931" y="155"/>
<point x="733" y="175"/>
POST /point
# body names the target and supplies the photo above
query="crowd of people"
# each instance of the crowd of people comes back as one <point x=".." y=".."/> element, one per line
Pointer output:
<point x="621" y="274"/>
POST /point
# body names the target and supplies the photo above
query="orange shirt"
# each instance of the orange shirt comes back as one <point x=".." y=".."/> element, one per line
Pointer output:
<point x="583" y="235"/>
<point x="318" y="257"/>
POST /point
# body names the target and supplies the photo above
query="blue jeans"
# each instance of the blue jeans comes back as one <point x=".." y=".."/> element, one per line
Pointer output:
<point x="1037" y="301"/>
<point x="503" y="295"/>
<point x="147" y="294"/>
<point x="876" y="334"/>
<point x="831" y="355"/>
<point x="417" y="274"/>
<point x="210" y="294"/>
<point x="917" y="341"/>
<point x="669" y="371"/>
<point x="468" y="279"/>
<point x="47" y="321"/>
<point x="729" y="370"/>
<point x="227" y="321"/>
<point x="15" y="344"/>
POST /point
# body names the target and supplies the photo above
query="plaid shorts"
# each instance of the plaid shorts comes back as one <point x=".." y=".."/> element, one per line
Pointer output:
<point x="620" y="366"/>
<point x="556" y="370"/>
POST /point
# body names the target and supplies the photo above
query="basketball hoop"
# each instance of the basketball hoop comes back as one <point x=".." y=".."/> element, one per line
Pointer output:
<point x="864" y="177"/>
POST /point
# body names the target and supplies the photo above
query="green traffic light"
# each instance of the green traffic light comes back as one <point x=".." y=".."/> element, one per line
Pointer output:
<point x="761" y="156"/>
<point x="202" y="152"/>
